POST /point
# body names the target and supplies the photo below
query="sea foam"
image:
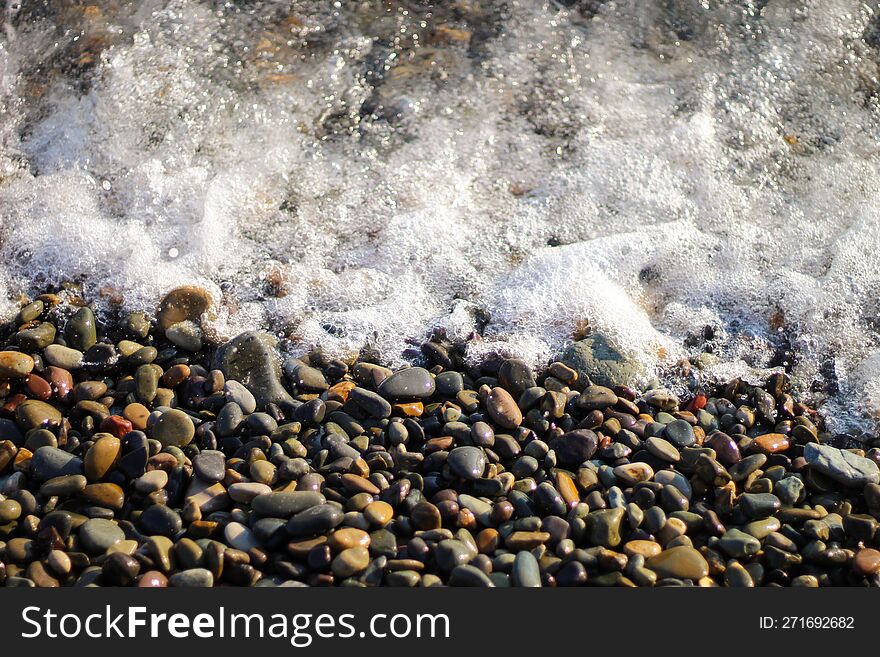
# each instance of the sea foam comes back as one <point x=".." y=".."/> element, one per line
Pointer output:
<point x="683" y="176"/>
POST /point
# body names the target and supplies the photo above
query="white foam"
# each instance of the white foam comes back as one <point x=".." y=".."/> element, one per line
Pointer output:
<point x="697" y="167"/>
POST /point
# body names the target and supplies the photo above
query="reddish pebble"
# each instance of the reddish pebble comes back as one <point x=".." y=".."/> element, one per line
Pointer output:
<point x="61" y="381"/>
<point x="697" y="403"/>
<point x="152" y="579"/>
<point x="770" y="443"/>
<point x="866" y="562"/>
<point x="38" y="387"/>
<point x="116" y="425"/>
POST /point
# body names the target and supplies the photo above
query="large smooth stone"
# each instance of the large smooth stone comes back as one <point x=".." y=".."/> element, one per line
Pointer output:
<point x="210" y="465"/>
<point x="285" y="505"/>
<point x="63" y="357"/>
<point x="187" y="302"/>
<point x="603" y="527"/>
<point x="411" y="382"/>
<point x="503" y="409"/>
<point x="370" y="402"/>
<point x="516" y="376"/>
<point x="575" y="447"/>
<point x="174" y="427"/>
<point x="251" y="359"/>
<point x="313" y="521"/>
<point x="467" y="462"/>
<point x="525" y="572"/>
<point x="80" y="332"/>
<point x="97" y="534"/>
<point x="842" y="466"/>
<point x="240" y="537"/>
<point x="15" y="365"/>
<point x="597" y="360"/>
<point x="35" y="414"/>
<point x="50" y="462"/>
<point x="303" y="376"/>
<point x="102" y="456"/>
<point x="680" y="562"/>
<point x="679" y="433"/>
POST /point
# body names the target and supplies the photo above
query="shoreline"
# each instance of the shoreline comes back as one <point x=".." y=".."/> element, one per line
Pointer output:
<point x="138" y="453"/>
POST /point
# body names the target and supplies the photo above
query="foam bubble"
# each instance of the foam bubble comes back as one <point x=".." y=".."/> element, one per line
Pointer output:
<point x="684" y="177"/>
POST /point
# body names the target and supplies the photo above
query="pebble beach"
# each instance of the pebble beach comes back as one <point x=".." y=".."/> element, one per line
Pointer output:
<point x="135" y="450"/>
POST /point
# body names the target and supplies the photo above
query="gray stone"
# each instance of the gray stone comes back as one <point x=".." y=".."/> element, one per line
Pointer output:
<point x="467" y="462"/>
<point x="840" y="465"/>
<point x="413" y="382"/>
<point x="525" y="572"/>
<point x="599" y="361"/>
<point x="251" y="359"/>
<point x="98" y="534"/>
<point x="50" y="462"/>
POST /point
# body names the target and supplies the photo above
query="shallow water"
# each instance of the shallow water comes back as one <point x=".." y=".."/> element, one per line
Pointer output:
<point x="683" y="176"/>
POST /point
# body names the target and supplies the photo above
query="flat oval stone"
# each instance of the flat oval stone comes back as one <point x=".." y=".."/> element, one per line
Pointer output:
<point x="316" y="520"/>
<point x="525" y="572"/>
<point x="451" y="553"/>
<point x="50" y="462"/>
<point x="467" y="462"/>
<point x="63" y="357"/>
<point x="379" y="513"/>
<point x="348" y="537"/>
<point x="680" y="433"/>
<point x="151" y="481"/>
<point x="842" y="466"/>
<point x="408" y="383"/>
<point x="372" y="403"/>
<point x="160" y="520"/>
<point x="725" y="448"/>
<point x="866" y="562"/>
<point x="350" y="561"/>
<point x="101" y="457"/>
<point x="595" y="398"/>
<point x="244" y="492"/>
<point x="503" y="409"/>
<point x="738" y="544"/>
<point x="63" y="486"/>
<point x="174" y="427"/>
<point x="36" y="414"/>
<point x="662" y="449"/>
<point x="240" y="537"/>
<point x="515" y="376"/>
<point x="192" y="578"/>
<point x="680" y="563"/>
<point x="186" y="335"/>
<point x="236" y="393"/>
<point x="229" y="419"/>
<point x="645" y="548"/>
<point x="630" y="474"/>
<point x="187" y="302"/>
<point x="286" y="504"/>
<point x="15" y="365"/>
<point x="305" y="377"/>
<point x="771" y="443"/>
<point x="80" y="332"/>
<point x="210" y="465"/>
<point x="106" y="495"/>
<point x="10" y="510"/>
<point x="97" y="534"/>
